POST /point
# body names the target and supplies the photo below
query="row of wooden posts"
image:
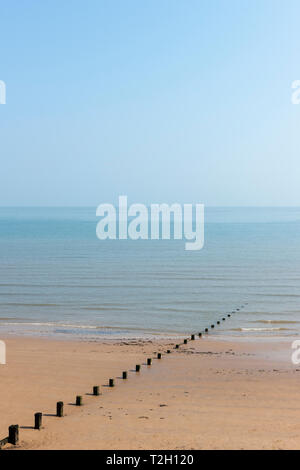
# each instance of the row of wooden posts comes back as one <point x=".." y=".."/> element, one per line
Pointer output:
<point x="13" y="430"/>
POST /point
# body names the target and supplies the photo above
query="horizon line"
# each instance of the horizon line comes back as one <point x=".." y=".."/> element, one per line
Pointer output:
<point x="193" y="203"/>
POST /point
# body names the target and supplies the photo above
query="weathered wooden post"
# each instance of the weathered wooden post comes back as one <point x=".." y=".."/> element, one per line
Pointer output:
<point x="96" y="391"/>
<point x="185" y="341"/>
<point x="38" y="421"/>
<point x="79" y="400"/>
<point x="13" y="434"/>
<point x="149" y="361"/>
<point x="124" y="375"/>
<point x="158" y="355"/>
<point x="199" y="334"/>
<point x="177" y="346"/>
<point x="138" y="368"/>
<point x="59" y="409"/>
<point x="111" y="383"/>
<point x="192" y="337"/>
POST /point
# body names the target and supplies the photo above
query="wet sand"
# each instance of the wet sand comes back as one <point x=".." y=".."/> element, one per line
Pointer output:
<point x="209" y="394"/>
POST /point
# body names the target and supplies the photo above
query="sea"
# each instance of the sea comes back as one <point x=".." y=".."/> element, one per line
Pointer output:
<point x="57" y="279"/>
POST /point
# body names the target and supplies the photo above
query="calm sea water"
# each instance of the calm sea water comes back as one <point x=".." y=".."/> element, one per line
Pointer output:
<point x="57" y="278"/>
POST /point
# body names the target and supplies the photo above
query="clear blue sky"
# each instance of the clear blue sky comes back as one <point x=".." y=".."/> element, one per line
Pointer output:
<point x="162" y="100"/>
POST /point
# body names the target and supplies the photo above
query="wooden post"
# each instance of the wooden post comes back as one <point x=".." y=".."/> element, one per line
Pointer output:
<point x="206" y="330"/>
<point x="38" y="421"/>
<point x="177" y="346"/>
<point x="149" y="361"/>
<point x="79" y="400"/>
<point x="124" y="375"/>
<point x="13" y="434"/>
<point x="158" y="355"/>
<point x="59" y="409"/>
<point x="212" y="326"/>
<point x="137" y="368"/>
<point x="168" y="351"/>
<point x="111" y="382"/>
<point x="185" y="341"/>
<point x="96" y="391"/>
<point x="199" y="334"/>
<point x="192" y="337"/>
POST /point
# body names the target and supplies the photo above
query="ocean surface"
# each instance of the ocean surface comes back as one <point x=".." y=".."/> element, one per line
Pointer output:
<point x="57" y="278"/>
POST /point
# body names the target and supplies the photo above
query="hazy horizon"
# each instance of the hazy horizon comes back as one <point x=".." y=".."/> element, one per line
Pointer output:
<point x="147" y="205"/>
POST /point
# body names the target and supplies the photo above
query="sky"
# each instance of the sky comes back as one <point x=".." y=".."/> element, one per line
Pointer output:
<point x="160" y="100"/>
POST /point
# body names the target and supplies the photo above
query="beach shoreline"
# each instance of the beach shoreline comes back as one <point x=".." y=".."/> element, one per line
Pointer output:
<point x="210" y="393"/>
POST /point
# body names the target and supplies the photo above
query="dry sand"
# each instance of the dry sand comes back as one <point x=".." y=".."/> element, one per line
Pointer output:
<point x="211" y="394"/>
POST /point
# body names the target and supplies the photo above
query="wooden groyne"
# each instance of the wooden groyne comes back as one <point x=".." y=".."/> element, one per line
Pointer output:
<point x="13" y="430"/>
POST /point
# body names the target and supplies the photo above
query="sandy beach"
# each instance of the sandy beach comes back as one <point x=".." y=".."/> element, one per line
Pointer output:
<point x="209" y="394"/>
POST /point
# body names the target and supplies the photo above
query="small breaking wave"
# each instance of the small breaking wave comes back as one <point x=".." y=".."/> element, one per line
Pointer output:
<point x="62" y="325"/>
<point x="277" y="322"/>
<point x="261" y="329"/>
